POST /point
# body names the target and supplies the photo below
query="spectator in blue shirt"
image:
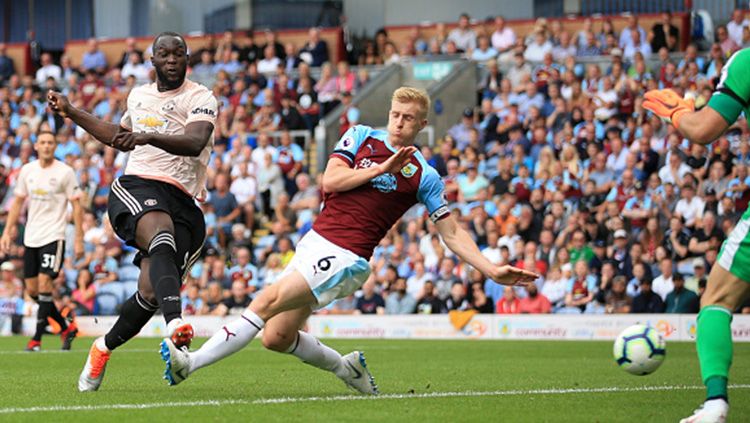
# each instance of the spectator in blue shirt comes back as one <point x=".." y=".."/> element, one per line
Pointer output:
<point x="225" y="207"/>
<point x="93" y="58"/>
<point x="245" y="271"/>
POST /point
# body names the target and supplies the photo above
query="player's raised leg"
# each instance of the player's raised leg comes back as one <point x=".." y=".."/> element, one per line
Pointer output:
<point x="724" y="292"/>
<point x="155" y="233"/>
<point x="282" y="334"/>
<point x="134" y="315"/>
<point x="291" y="292"/>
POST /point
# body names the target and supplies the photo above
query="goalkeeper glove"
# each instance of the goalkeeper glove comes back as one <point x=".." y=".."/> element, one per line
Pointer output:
<point x="668" y="105"/>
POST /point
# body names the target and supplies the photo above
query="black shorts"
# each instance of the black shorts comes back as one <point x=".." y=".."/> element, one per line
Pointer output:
<point x="47" y="259"/>
<point x="131" y="197"/>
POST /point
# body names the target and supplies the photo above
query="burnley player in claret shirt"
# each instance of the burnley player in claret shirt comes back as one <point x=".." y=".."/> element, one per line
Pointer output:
<point x="371" y="179"/>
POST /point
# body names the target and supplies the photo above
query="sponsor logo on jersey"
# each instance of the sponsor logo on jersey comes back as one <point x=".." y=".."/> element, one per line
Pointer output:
<point x="203" y="111"/>
<point x="150" y="202"/>
<point x="409" y="170"/>
<point x="385" y="183"/>
<point x="151" y="122"/>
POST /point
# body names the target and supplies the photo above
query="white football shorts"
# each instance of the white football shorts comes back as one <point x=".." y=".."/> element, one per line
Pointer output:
<point x="331" y="272"/>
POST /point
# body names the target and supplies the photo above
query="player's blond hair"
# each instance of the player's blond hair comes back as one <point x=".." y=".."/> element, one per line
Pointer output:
<point x="413" y="95"/>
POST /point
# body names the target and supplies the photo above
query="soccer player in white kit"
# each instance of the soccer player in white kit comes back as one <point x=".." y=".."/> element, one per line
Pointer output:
<point x="48" y="185"/>
<point x="168" y="130"/>
<point x="372" y="178"/>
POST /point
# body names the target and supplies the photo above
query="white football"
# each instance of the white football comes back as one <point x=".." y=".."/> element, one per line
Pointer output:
<point x="639" y="350"/>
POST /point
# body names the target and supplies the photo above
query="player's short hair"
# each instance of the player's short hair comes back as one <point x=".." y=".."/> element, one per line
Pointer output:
<point x="45" y="132"/>
<point x="413" y="95"/>
<point x="170" y="34"/>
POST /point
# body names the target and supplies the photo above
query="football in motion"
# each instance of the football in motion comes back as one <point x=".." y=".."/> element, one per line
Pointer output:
<point x="640" y="350"/>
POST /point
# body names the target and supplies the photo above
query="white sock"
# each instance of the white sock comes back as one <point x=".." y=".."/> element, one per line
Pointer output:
<point x="232" y="338"/>
<point x="311" y="351"/>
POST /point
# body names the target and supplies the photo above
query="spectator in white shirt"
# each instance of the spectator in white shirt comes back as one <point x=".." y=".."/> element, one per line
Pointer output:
<point x="492" y="251"/>
<point x="736" y="25"/>
<point x="503" y="38"/>
<point x="270" y="63"/>
<point x="617" y="159"/>
<point x="662" y="284"/>
<point x="538" y="48"/>
<point x="674" y="171"/>
<point x="48" y="69"/>
<point x="690" y="206"/>
<point x="136" y="68"/>
<point x="463" y="36"/>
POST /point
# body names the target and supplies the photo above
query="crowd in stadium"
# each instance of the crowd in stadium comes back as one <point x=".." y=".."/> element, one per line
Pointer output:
<point x="557" y="168"/>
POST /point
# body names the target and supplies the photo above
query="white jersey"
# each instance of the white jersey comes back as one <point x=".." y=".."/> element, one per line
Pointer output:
<point x="168" y="113"/>
<point x="48" y="191"/>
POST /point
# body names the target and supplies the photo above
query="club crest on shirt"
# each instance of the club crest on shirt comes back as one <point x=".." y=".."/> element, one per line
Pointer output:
<point x="168" y="107"/>
<point x="409" y="170"/>
<point x="385" y="183"/>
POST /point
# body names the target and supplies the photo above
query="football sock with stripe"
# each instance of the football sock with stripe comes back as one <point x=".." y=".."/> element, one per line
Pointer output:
<point x="714" y="345"/>
<point x="231" y="338"/>
<point x="135" y="313"/>
<point x="165" y="278"/>
<point x="311" y="351"/>
<point x="45" y="308"/>
<point x="54" y="313"/>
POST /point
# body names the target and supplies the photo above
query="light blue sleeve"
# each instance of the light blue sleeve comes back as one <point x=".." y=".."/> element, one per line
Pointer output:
<point x="254" y="281"/>
<point x="591" y="283"/>
<point x="297" y="153"/>
<point x="612" y="196"/>
<point x="569" y="285"/>
<point x="350" y="143"/>
<point x="431" y="193"/>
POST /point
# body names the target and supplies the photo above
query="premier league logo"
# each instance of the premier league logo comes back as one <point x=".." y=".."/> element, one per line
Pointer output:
<point x="385" y="183"/>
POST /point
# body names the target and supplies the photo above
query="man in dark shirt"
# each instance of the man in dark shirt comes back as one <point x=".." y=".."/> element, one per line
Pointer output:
<point x="6" y="65"/>
<point x="315" y="51"/>
<point x="681" y="299"/>
<point x="250" y="52"/>
<point x="647" y="301"/>
<point x="236" y="302"/>
<point x="370" y="302"/>
<point x="677" y="239"/>
<point x="664" y="34"/>
<point x="429" y="303"/>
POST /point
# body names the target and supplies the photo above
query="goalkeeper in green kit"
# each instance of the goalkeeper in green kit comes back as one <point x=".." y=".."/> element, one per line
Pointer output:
<point x="729" y="281"/>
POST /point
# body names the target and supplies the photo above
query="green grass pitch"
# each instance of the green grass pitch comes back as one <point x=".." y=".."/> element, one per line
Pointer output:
<point x="421" y="380"/>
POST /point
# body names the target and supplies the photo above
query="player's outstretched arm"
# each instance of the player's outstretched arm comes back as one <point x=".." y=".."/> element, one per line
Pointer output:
<point x="459" y="241"/>
<point x="701" y="127"/>
<point x="191" y="143"/>
<point x="339" y="177"/>
<point x="99" y="129"/>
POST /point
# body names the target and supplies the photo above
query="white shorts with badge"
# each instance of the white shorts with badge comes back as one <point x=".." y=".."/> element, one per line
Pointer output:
<point x="331" y="272"/>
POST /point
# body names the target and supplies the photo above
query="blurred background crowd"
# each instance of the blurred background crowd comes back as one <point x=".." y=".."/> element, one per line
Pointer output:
<point x="556" y="168"/>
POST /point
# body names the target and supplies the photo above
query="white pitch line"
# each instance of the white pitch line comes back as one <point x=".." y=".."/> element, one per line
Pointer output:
<point x="31" y="354"/>
<point x="338" y="398"/>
